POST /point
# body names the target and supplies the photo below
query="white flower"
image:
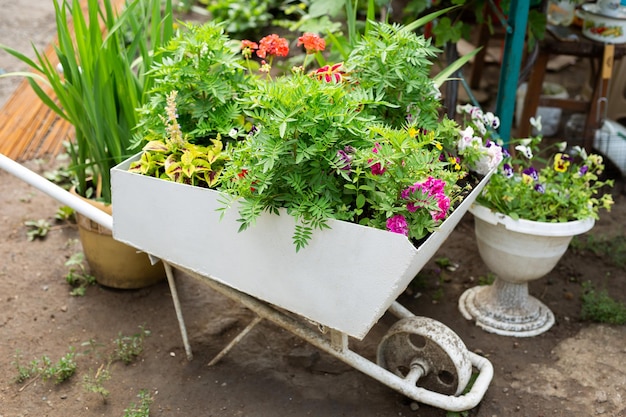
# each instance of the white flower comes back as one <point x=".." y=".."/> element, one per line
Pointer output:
<point x="464" y="109"/>
<point x="481" y="127"/>
<point x="490" y="159"/>
<point x="580" y="151"/>
<point x="525" y="150"/>
<point x="561" y="146"/>
<point x="536" y="123"/>
<point x="492" y="120"/>
<point x="468" y="132"/>
<point x="467" y="137"/>
<point x="476" y="113"/>
<point x="436" y="92"/>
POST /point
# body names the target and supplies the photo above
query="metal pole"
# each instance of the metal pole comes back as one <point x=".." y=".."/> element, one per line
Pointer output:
<point x="511" y="63"/>
<point x="171" y="280"/>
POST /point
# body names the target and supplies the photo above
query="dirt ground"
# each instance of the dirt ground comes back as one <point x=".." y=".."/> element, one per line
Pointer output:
<point x="577" y="368"/>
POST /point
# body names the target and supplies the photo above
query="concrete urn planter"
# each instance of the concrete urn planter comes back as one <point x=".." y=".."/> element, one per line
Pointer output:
<point x="517" y="252"/>
<point x="344" y="279"/>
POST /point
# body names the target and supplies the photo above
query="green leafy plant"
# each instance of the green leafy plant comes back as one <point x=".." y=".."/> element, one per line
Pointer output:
<point x="78" y="276"/>
<point x="375" y="153"/>
<point x="360" y="140"/>
<point x="202" y="65"/>
<point x="94" y="381"/>
<point x="37" y="229"/>
<point x="599" y="306"/>
<point x="62" y="370"/>
<point x="24" y="372"/>
<point x="612" y="249"/>
<point x="486" y="279"/>
<point x="64" y="213"/>
<point x="143" y="408"/>
<point x="243" y="18"/>
<point x="103" y="59"/>
<point x="60" y="176"/>
<point x="564" y="186"/>
<point x="128" y="348"/>
<point x="178" y="160"/>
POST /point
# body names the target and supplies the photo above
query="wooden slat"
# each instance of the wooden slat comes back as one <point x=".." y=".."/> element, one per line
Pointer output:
<point x="26" y="123"/>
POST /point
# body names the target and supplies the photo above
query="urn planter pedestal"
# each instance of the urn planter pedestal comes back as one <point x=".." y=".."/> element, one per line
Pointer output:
<point x="517" y="252"/>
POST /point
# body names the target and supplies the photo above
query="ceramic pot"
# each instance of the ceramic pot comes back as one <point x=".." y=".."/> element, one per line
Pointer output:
<point x="601" y="27"/>
<point x="517" y="252"/>
<point x="112" y="263"/>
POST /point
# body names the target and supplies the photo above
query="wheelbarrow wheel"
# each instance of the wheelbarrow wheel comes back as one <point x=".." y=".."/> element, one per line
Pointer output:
<point x="440" y="355"/>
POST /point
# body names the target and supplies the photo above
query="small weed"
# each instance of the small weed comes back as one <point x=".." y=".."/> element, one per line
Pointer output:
<point x="61" y="177"/>
<point x="24" y="373"/>
<point x="446" y="264"/>
<point x="62" y="370"/>
<point x="457" y="414"/>
<point x="598" y="306"/>
<point x="92" y="347"/>
<point x="438" y="294"/>
<point x="37" y="229"/>
<point x="127" y="348"/>
<point x="141" y="410"/>
<point x="95" y="382"/>
<point x="420" y="282"/>
<point x="64" y="213"/>
<point x="78" y="277"/>
<point x="612" y="249"/>
<point x="487" y="279"/>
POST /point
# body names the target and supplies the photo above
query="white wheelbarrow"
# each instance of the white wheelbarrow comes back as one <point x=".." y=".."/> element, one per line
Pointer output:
<point x="337" y="287"/>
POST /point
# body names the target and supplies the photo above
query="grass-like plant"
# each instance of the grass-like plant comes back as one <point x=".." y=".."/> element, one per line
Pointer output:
<point x="128" y="348"/>
<point x="600" y="307"/>
<point x="78" y="276"/>
<point x="100" y="81"/>
<point x="143" y="408"/>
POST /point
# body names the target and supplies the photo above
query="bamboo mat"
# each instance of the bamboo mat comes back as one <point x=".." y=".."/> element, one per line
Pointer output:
<point x="28" y="128"/>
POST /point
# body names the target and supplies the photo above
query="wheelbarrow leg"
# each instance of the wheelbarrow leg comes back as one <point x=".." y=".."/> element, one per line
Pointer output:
<point x="179" y="314"/>
<point x="236" y="340"/>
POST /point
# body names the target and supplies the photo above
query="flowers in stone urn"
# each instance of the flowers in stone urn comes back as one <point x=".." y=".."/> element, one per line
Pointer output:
<point x="360" y="140"/>
<point x="545" y="182"/>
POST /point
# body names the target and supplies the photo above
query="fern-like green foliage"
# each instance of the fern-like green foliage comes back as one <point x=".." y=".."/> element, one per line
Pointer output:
<point x="203" y="65"/>
<point x="358" y="141"/>
<point x="393" y="64"/>
<point x="291" y="161"/>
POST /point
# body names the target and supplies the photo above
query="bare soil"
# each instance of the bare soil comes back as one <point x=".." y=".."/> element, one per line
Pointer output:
<point x="577" y="368"/>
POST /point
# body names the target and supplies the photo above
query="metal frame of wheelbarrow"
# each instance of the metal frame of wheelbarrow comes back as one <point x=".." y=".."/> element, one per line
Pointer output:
<point x="331" y="341"/>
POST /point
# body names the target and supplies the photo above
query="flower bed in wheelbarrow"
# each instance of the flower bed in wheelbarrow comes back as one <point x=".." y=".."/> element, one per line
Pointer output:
<point x="320" y="191"/>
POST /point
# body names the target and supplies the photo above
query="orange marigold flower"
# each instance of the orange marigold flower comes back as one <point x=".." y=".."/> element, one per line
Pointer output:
<point x="312" y="42"/>
<point x="330" y="73"/>
<point x="247" y="47"/>
<point x="273" y="45"/>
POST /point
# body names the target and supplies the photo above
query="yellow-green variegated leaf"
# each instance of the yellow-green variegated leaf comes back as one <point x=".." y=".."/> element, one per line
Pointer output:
<point x="212" y="177"/>
<point x="156" y="146"/>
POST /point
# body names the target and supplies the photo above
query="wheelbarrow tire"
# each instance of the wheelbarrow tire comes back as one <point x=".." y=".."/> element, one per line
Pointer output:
<point x="420" y="341"/>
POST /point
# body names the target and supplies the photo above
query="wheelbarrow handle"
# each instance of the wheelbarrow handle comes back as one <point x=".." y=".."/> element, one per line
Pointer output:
<point x="56" y="192"/>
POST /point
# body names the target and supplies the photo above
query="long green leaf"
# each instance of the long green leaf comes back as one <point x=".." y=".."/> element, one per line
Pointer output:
<point x="428" y="18"/>
<point x="440" y="78"/>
